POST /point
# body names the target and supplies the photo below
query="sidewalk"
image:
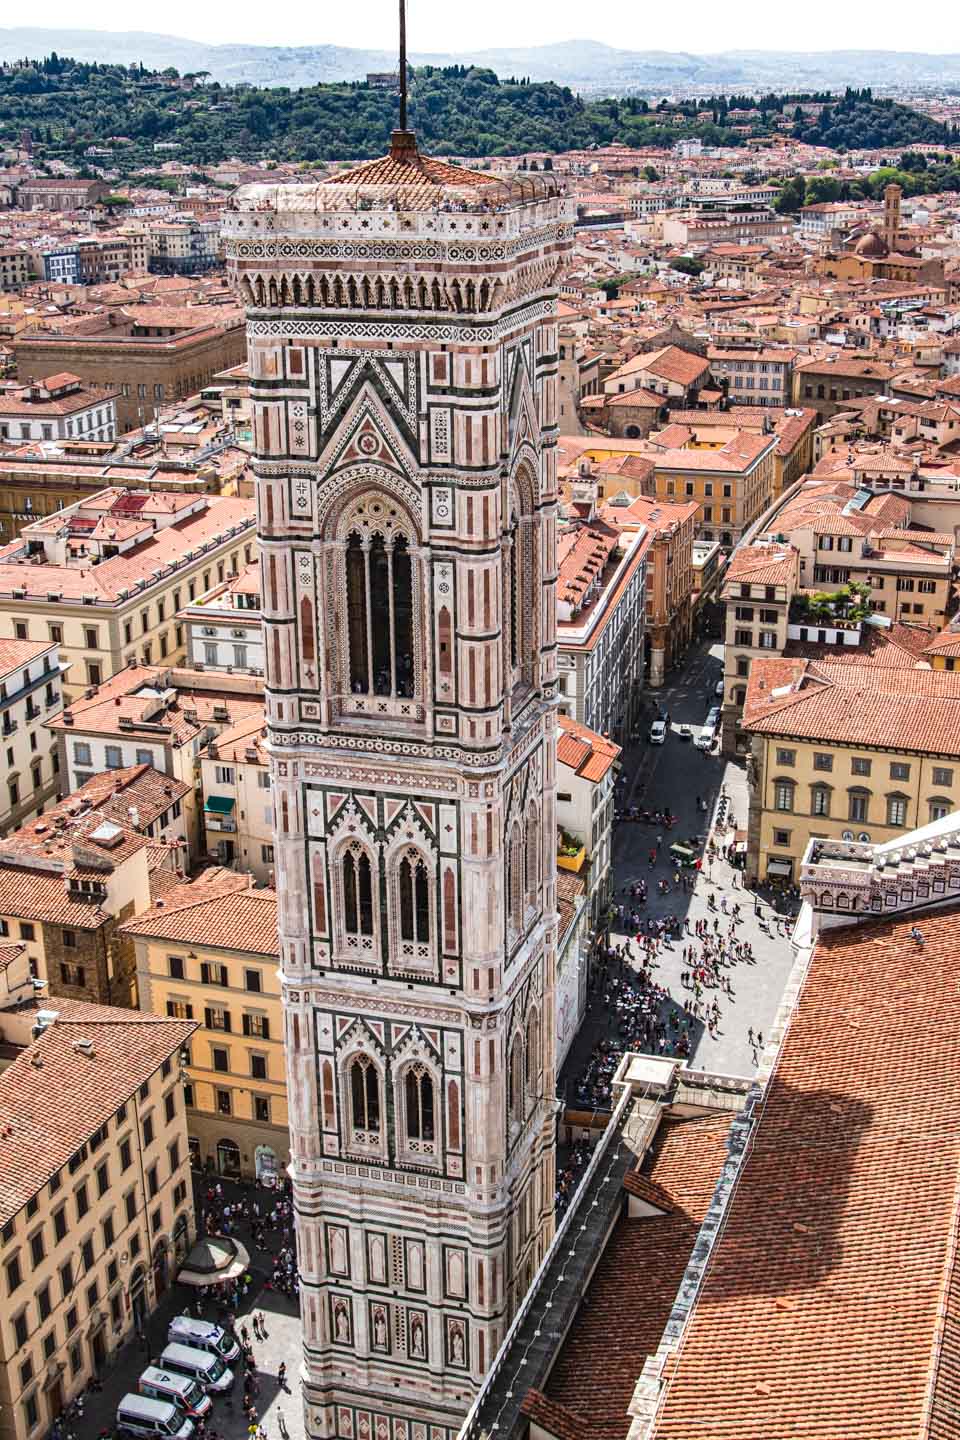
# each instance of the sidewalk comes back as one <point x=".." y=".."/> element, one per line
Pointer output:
<point x="283" y="1344"/>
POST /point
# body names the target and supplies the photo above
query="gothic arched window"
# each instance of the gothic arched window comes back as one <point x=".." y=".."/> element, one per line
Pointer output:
<point x="365" y="1095"/>
<point x="532" y="856"/>
<point x="515" y="1080"/>
<point x="419" y="1103"/>
<point x="533" y="1053"/>
<point x="414" y="900"/>
<point x="357" y="892"/>
<point x="380" y="615"/>
<point x="515" y="878"/>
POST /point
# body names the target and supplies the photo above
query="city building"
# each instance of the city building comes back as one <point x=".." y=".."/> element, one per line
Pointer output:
<point x="671" y="583"/>
<point x="30" y="695"/>
<point x="153" y="355"/>
<point x="70" y="878"/>
<point x="209" y="952"/>
<point x="848" y="751"/>
<point x="59" y="193"/>
<point x="826" y="383"/>
<point x="585" y="784"/>
<point x="601" y="625"/>
<point x="732" y="483"/>
<point x="237" y="800"/>
<point x="96" y="1208"/>
<point x="158" y="716"/>
<point x="754" y="374"/>
<point x="58" y="408"/>
<point x="760" y="583"/>
<point x="183" y="247"/>
<point x="410" y="626"/>
<point x="15" y="270"/>
<point x="673" y="375"/>
<point x="105" y="578"/>
<point x="225" y="627"/>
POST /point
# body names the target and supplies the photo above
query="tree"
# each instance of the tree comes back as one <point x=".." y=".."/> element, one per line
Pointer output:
<point x="686" y="265"/>
<point x="792" y="196"/>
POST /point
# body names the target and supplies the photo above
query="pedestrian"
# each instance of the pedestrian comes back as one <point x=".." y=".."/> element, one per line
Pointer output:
<point x="282" y="1376"/>
<point x="282" y="1425"/>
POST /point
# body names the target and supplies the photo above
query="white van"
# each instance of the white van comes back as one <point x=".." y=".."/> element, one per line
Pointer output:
<point x="208" y="1370"/>
<point x="178" y="1389"/>
<point x="202" y="1335"/>
<point x="139" y="1415"/>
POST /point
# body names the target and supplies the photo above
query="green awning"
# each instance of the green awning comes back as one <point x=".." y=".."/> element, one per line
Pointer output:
<point x="219" y="804"/>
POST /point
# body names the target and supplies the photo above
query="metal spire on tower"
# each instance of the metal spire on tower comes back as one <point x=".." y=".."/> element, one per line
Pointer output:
<point x="403" y="64"/>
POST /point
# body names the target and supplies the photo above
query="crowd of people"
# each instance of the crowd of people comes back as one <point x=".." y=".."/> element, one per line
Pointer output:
<point x="269" y="1216"/>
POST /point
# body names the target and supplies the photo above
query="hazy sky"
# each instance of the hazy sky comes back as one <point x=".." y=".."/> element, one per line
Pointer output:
<point x="456" y="25"/>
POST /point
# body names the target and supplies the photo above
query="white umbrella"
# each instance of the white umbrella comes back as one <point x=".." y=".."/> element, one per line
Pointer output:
<point x="213" y="1259"/>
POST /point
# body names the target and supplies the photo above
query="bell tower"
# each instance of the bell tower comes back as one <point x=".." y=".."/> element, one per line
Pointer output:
<point x="403" y="360"/>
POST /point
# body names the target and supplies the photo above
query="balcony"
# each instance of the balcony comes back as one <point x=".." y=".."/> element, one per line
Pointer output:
<point x="218" y="813"/>
<point x="571" y="854"/>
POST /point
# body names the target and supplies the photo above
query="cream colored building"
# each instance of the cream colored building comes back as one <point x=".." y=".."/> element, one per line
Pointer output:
<point x="30" y="695"/>
<point x="210" y="953"/>
<point x="237" y="799"/>
<point x="96" y="1211"/>
<point x="104" y="579"/>
<point x="846" y="750"/>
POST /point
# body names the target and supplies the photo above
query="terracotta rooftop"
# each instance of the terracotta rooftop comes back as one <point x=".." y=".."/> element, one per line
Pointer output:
<point x="38" y="1132"/>
<point x="590" y="755"/>
<point x="828" y="1310"/>
<point x="218" y="910"/>
<point x="895" y="708"/>
<point x="632" y="1291"/>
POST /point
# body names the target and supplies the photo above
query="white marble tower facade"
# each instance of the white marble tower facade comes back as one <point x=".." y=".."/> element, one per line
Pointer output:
<point x="403" y="359"/>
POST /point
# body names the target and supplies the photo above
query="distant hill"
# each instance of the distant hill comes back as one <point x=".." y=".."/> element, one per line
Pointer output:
<point x="73" y="108"/>
<point x="584" y="65"/>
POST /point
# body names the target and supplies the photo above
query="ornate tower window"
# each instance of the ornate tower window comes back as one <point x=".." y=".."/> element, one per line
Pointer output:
<point x="515" y="882"/>
<point x="413" y="911"/>
<point x="380" y="616"/>
<point x="365" y="1107"/>
<point x="515" y="1099"/>
<point x="357" y="919"/>
<point x="416" y="1132"/>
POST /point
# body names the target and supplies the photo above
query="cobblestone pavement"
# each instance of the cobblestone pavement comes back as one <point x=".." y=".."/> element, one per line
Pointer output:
<point x="277" y="1409"/>
<point x="676" y="774"/>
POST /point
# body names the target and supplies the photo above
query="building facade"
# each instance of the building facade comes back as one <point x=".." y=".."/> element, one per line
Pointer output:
<point x="97" y="1209"/>
<point x="30" y="695"/>
<point x="403" y="357"/>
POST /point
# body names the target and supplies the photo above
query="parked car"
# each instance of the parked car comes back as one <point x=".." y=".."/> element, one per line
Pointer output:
<point x="658" y="732"/>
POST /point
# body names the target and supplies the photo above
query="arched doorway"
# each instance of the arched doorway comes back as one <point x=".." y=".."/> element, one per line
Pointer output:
<point x="138" y="1301"/>
<point x="228" y="1159"/>
<point x="181" y="1238"/>
<point x="160" y="1267"/>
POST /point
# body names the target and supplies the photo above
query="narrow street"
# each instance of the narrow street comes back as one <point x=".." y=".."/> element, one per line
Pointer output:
<point x="675" y="775"/>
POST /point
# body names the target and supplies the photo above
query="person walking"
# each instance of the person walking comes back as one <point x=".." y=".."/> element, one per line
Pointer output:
<point x="282" y="1375"/>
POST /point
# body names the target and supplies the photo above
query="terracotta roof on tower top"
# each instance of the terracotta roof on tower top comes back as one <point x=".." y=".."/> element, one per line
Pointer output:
<point x="403" y="180"/>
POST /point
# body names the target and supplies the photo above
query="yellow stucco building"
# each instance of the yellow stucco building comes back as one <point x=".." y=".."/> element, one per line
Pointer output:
<point x="209" y="952"/>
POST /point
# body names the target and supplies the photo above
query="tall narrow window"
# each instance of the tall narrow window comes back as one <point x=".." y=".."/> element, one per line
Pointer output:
<point x="414" y="900"/>
<point x="445" y="635"/>
<point x="516" y="599"/>
<point x="515" y="1080"/>
<point x="515" y="878"/>
<point x="380" y="616"/>
<point x="329" y="1115"/>
<point x="357" y="893"/>
<point x="365" y="1094"/>
<point x="453" y="1115"/>
<point x="357" y="615"/>
<point x="533" y="1053"/>
<point x="306" y="628"/>
<point x="449" y="912"/>
<point x="418" y="1098"/>
<point x="533" y="857"/>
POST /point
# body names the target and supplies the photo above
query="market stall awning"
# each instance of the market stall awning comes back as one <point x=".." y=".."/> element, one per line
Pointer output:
<point x="219" y="804"/>
<point x="779" y="867"/>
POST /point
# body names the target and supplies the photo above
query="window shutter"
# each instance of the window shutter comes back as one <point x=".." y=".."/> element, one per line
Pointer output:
<point x="246" y="1024"/>
<point x="208" y="1017"/>
<point x="265" y="1028"/>
<point x="226" y="1019"/>
<point x="204" y="973"/>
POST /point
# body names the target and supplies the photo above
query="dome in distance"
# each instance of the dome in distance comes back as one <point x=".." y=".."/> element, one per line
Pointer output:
<point x="871" y="246"/>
